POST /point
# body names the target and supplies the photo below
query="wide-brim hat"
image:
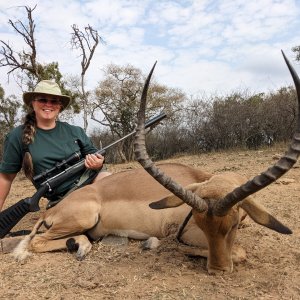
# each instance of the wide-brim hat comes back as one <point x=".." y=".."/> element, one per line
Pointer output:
<point x="47" y="87"/>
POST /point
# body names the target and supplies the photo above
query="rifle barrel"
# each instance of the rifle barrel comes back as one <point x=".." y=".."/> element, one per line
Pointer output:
<point x="79" y="166"/>
<point x="149" y="123"/>
<point x="12" y="215"/>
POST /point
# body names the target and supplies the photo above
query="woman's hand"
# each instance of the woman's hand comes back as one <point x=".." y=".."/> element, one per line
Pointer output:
<point x="94" y="161"/>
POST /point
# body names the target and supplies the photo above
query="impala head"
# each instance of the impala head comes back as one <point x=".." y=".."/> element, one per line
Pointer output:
<point x="217" y="203"/>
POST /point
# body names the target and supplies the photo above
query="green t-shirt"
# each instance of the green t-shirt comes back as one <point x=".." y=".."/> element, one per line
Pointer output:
<point x="49" y="147"/>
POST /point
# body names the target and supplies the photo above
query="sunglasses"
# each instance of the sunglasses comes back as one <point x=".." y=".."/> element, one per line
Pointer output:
<point x="44" y="101"/>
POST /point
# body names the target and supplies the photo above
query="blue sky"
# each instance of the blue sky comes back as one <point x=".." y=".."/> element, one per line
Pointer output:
<point x="202" y="46"/>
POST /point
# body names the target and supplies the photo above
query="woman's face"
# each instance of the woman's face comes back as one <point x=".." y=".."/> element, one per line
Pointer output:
<point x="46" y="107"/>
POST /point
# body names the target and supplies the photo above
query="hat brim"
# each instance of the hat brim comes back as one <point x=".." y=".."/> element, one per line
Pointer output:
<point x="29" y="96"/>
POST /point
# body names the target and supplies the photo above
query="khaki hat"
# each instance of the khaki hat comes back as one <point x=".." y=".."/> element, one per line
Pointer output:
<point x="47" y="87"/>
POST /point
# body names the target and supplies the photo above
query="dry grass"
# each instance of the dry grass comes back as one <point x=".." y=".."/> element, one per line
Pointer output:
<point x="270" y="272"/>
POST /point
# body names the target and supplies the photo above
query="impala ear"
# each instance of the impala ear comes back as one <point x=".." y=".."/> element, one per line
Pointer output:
<point x="259" y="215"/>
<point x="172" y="200"/>
<point x="167" y="202"/>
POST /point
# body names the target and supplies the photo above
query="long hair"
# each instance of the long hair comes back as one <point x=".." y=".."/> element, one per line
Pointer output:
<point x="28" y="138"/>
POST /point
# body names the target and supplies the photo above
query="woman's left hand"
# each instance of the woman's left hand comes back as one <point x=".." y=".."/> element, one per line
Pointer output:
<point x="94" y="161"/>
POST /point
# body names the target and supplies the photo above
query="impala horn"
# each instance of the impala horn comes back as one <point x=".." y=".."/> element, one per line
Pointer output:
<point x="143" y="158"/>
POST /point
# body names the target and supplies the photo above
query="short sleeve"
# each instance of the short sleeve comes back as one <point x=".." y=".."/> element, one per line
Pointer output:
<point x="87" y="146"/>
<point x="12" y="154"/>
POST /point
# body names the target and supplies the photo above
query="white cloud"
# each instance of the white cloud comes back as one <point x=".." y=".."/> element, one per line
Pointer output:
<point x="200" y="45"/>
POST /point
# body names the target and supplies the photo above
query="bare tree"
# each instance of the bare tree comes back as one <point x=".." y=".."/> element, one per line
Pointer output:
<point x="24" y="63"/>
<point x="117" y="99"/>
<point x="86" y="41"/>
<point x="26" y="59"/>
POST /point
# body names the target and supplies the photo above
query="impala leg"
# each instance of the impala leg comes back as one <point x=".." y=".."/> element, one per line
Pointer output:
<point x="194" y="236"/>
<point x="238" y="254"/>
<point x="45" y="242"/>
<point x="194" y="241"/>
<point x="65" y="230"/>
<point x="193" y="251"/>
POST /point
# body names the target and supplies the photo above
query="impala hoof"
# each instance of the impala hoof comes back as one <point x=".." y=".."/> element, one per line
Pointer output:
<point x="151" y="243"/>
<point x="72" y="245"/>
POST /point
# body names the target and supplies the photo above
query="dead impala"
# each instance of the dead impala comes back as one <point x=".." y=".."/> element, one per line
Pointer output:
<point x="124" y="204"/>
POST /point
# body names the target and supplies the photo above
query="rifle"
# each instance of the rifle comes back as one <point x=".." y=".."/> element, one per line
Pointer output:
<point x="12" y="215"/>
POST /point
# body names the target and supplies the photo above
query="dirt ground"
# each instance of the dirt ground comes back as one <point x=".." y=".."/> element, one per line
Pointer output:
<point x="271" y="271"/>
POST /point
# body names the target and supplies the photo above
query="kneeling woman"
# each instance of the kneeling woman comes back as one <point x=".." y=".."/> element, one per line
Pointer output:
<point x="43" y="141"/>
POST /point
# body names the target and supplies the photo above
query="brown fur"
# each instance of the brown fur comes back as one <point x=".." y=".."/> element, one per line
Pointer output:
<point x="119" y="204"/>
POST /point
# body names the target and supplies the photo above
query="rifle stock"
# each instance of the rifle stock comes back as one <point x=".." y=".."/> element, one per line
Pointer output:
<point x="12" y="215"/>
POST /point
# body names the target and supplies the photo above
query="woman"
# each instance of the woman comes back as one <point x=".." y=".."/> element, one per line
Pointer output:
<point x="42" y="141"/>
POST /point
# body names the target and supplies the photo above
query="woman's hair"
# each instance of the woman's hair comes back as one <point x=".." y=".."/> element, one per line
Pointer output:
<point x="28" y="138"/>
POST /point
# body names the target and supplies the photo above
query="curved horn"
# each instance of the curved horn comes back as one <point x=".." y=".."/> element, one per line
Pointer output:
<point x="284" y="164"/>
<point x="142" y="157"/>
